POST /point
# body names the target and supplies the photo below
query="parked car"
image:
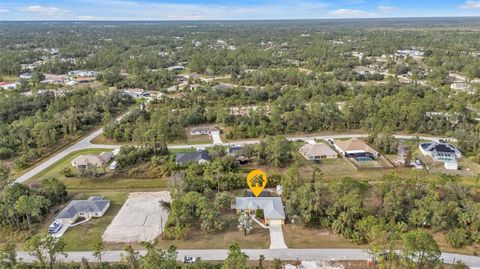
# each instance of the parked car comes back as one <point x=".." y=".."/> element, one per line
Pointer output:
<point x="55" y="226"/>
<point x="189" y="259"/>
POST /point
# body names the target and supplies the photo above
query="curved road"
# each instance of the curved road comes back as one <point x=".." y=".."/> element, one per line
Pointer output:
<point x="254" y="254"/>
<point x="85" y="143"/>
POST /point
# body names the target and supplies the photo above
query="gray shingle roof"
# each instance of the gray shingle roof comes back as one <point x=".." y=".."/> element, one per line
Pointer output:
<point x="272" y="206"/>
<point x="93" y="204"/>
<point x="186" y="157"/>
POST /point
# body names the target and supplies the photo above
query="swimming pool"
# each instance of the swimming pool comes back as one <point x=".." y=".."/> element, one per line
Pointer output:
<point x="363" y="159"/>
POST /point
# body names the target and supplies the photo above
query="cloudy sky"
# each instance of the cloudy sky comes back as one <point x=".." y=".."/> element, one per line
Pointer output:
<point x="230" y="9"/>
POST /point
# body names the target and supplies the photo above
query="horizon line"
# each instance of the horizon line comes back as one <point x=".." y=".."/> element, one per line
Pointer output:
<point x="239" y="20"/>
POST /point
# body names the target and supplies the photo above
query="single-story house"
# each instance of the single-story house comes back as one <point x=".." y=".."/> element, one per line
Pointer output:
<point x="440" y="151"/>
<point x="317" y="151"/>
<point x="199" y="157"/>
<point x="135" y="92"/>
<point x="354" y="147"/>
<point x="92" y="160"/>
<point x="272" y="207"/>
<point x="8" y="85"/>
<point x="176" y="68"/>
<point x="206" y="130"/>
<point x="94" y="206"/>
<point x="26" y="75"/>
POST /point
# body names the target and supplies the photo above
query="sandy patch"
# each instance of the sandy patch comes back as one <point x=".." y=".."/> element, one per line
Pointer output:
<point x="140" y="218"/>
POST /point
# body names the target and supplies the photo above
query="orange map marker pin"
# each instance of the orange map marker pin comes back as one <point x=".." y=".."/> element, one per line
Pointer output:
<point x="257" y="181"/>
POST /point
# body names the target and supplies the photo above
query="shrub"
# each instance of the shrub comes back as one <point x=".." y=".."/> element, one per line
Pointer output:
<point x="458" y="238"/>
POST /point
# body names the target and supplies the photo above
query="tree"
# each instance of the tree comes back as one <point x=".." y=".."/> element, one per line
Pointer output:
<point x="46" y="248"/>
<point x="53" y="189"/>
<point x="156" y="258"/>
<point x="97" y="250"/>
<point x="131" y="259"/>
<point x="31" y="206"/>
<point x="53" y="246"/>
<point x="260" y="261"/>
<point x="84" y="264"/>
<point x="236" y="259"/>
<point x="222" y="200"/>
<point x="9" y="255"/>
<point x="419" y="247"/>
<point x="276" y="264"/>
<point x="4" y="176"/>
<point x="245" y="223"/>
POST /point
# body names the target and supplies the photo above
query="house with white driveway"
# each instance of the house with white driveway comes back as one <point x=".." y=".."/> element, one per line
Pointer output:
<point x="272" y="207"/>
<point x="93" y="207"/>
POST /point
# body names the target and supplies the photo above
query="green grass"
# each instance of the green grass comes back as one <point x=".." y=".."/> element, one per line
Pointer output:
<point x="84" y="236"/>
<point x="54" y="169"/>
<point x="77" y="183"/>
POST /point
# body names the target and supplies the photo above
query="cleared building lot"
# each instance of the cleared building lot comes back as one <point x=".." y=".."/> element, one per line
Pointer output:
<point x="140" y="218"/>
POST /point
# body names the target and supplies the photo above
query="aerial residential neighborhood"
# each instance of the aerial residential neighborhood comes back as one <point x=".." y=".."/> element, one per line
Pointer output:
<point x="239" y="135"/>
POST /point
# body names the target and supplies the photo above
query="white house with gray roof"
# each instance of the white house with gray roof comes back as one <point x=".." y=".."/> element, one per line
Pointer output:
<point x="272" y="207"/>
<point x="93" y="207"/>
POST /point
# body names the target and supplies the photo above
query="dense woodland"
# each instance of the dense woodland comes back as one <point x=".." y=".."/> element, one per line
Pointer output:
<point x="291" y="77"/>
<point x="31" y="125"/>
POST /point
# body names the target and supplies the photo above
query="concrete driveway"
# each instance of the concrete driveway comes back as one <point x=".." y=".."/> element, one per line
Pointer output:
<point x="276" y="235"/>
<point x="216" y="138"/>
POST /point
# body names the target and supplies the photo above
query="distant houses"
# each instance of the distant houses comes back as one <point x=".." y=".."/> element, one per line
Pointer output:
<point x="135" y="92"/>
<point x="199" y="157"/>
<point x="82" y="73"/>
<point x="92" y="160"/>
<point x="8" y="85"/>
<point x="318" y="151"/>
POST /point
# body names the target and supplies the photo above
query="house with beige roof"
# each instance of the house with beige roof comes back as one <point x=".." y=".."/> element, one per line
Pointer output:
<point x="92" y="160"/>
<point x="318" y="151"/>
<point x="354" y="147"/>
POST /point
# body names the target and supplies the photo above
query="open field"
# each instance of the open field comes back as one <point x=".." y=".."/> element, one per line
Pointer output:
<point x="140" y="218"/>
<point x="299" y="236"/>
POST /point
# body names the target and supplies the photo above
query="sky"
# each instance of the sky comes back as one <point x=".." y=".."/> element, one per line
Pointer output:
<point x="231" y="9"/>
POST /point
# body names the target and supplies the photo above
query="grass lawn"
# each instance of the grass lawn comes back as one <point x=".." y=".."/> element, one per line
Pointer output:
<point x="197" y="239"/>
<point x="76" y="184"/>
<point x="299" y="236"/>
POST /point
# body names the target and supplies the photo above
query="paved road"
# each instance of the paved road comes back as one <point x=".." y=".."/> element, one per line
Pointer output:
<point x="86" y="144"/>
<point x="253" y="254"/>
<point x="79" y="145"/>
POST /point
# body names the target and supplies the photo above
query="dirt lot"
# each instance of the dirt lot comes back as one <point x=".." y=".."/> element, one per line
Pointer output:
<point x="140" y="218"/>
